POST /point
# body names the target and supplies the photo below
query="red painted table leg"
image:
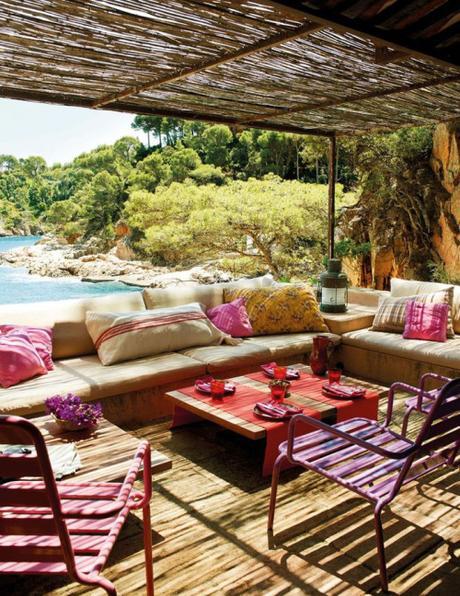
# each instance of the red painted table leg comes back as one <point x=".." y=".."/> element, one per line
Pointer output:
<point x="182" y="417"/>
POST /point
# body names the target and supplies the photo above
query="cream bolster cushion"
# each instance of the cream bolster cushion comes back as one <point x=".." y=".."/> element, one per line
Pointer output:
<point x="126" y="336"/>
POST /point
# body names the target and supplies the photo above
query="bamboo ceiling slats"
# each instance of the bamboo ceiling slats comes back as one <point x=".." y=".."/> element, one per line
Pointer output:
<point x="240" y="62"/>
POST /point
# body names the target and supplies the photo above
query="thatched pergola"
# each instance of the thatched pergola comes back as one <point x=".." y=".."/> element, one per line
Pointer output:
<point x="333" y="67"/>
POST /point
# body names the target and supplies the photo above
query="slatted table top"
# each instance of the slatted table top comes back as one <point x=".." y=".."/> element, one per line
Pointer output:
<point x="211" y="409"/>
<point x="105" y="453"/>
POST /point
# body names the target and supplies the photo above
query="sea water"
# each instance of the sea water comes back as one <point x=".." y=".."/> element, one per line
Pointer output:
<point x="16" y="285"/>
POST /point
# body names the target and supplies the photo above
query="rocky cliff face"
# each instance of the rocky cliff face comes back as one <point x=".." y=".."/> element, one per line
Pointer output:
<point x="415" y="227"/>
<point x="445" y="163"/>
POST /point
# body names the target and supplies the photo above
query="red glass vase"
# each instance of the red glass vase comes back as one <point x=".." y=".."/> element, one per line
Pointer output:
<point x="320" y="354"/>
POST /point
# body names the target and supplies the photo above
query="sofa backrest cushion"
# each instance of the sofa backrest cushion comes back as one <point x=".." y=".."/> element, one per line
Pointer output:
<point x="209" y="295"/>
<point x="409" y="287"/>
<point x="391" y="313"/>
<point x="126" y="336"/>
<point x="19" y="360"/>
<point x="67" y="319"/>
<point x="283" y="309"/>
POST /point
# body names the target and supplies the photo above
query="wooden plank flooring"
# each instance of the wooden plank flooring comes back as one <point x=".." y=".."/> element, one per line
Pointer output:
<point x="209" y="518"/>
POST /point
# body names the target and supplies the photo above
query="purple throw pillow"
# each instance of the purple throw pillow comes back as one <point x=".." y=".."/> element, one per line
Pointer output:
<point x="41" y="337"/>
<point x="19" y="360"/>
<point x="231" y="318"/>
<point x="426" y="321"/>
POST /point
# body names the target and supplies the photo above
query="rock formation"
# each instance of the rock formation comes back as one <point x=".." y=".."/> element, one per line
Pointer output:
<point x="51" y="257"/>
<point x="414" y="228"/>
<point x="445" y="162"/>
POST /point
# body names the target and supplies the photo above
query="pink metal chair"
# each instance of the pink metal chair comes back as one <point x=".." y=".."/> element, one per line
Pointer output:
<point x="371" y="459"/>
<point x="64" y="528"/>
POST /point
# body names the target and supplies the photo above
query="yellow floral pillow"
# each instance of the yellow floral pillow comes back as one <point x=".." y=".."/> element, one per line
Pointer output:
<point x="286" y="309"/>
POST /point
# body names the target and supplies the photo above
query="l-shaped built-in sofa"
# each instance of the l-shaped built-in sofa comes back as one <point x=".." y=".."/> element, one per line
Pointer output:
<point x="134" y="390"/>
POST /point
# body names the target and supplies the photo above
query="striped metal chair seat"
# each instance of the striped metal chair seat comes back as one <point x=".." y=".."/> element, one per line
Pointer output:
<point x="65" y="528"/>
<point x="370" y="458"/>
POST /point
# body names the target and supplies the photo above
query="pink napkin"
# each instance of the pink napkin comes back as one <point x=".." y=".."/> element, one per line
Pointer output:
<point x="291" y="374"/>
<point x="275" y="410"/>
<point x="338" y="390"/>
<point x="204" y="385"/>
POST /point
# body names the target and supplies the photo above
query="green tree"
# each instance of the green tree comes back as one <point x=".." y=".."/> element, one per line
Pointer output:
<point x="274" y="224"/>
<point x="150" y="172"/>
<point x="216" y="141"/>
<point x="182" y="160"/>
<point x="104" y="198"/>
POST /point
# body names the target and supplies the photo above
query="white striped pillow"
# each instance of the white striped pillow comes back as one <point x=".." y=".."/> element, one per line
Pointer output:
<point x="126" y="336"/>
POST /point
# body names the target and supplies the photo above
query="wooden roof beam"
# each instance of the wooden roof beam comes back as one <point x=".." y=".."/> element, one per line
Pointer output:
<point x="131" y="108"/>
<point x="385" y="55"/>
<point x="396" y="40"/>
<point x="435" y="16"/>
<point x="352" y="99"/>
<point x="183" y="73"/>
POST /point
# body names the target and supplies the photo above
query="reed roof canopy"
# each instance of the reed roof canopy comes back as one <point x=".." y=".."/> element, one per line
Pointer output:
<point x="319" y="67"/>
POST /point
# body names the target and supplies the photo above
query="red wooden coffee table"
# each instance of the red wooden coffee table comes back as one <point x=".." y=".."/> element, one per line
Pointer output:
<point x="235" y="412"/>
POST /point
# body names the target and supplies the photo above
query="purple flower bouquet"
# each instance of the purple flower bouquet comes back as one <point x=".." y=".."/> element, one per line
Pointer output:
<point x="73" y="414"/>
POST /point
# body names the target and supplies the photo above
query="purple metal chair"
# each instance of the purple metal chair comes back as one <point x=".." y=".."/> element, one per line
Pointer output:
<point x="371" y="459"/>
<point x="65" y="528"/>
<point x="423" y="399"/>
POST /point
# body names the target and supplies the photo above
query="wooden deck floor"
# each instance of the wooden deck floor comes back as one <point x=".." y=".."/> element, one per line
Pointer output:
<point x="209" y="516"/>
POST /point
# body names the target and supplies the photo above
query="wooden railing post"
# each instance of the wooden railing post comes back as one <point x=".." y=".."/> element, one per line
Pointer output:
<point x="331" y="201"/>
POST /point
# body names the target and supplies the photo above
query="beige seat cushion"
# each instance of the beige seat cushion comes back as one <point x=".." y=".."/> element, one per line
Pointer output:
<point x="86" y="377"/>
<point x="67" y="318"/>
<point x="290" y="344"/>
<point x="219" y="359"/>
<point x="438" y="353"/>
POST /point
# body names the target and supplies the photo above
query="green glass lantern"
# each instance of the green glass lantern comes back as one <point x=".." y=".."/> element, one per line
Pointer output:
<point x="333" y="288"/>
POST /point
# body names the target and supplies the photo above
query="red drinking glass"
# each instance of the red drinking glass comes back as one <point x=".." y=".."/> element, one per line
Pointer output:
<point x="334" y="375"/>
<point x="280" y="373"/>
<point x="278" y="392"/>
<point x="217" y="388"/>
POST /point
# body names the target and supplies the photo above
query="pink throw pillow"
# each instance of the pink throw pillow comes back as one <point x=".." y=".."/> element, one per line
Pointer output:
<point x="231" y="318"/>
<point x="19" y="360"/>
<point x="426" y="321"/>
<point x="41" y="337"/>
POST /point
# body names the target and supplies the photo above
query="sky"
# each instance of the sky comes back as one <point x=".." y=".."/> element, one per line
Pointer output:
<point x="58" y="133"/>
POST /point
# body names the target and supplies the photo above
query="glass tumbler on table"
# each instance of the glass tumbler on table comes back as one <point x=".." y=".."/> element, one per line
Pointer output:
<point x="217" y="388"/>
<point x="334" y="375"/>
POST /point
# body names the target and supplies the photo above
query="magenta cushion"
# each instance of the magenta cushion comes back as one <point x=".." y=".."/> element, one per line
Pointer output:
<point x="41" y="337"/>
<point x="426" y="321"/>
<point x="19" y="360"/>
<point x="231" y="318"/>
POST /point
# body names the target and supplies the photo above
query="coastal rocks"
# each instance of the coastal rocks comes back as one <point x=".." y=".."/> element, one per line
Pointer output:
<point x="24" y="229"/>
<point x="49" y="258"/>
<point x="122" y="248"/>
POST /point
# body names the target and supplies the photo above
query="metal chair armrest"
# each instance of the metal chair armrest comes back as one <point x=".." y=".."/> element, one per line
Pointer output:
<point x="343" y="435"/>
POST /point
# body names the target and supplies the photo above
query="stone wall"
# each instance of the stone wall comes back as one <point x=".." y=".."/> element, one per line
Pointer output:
<point x="445" y="163"/>
<point x="416" y="224"/>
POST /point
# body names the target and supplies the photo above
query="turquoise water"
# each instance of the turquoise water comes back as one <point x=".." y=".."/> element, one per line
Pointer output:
<point x="16" y="285"/>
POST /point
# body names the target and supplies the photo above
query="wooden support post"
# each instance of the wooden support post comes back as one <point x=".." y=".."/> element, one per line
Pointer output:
<point x="331" y="201"/>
